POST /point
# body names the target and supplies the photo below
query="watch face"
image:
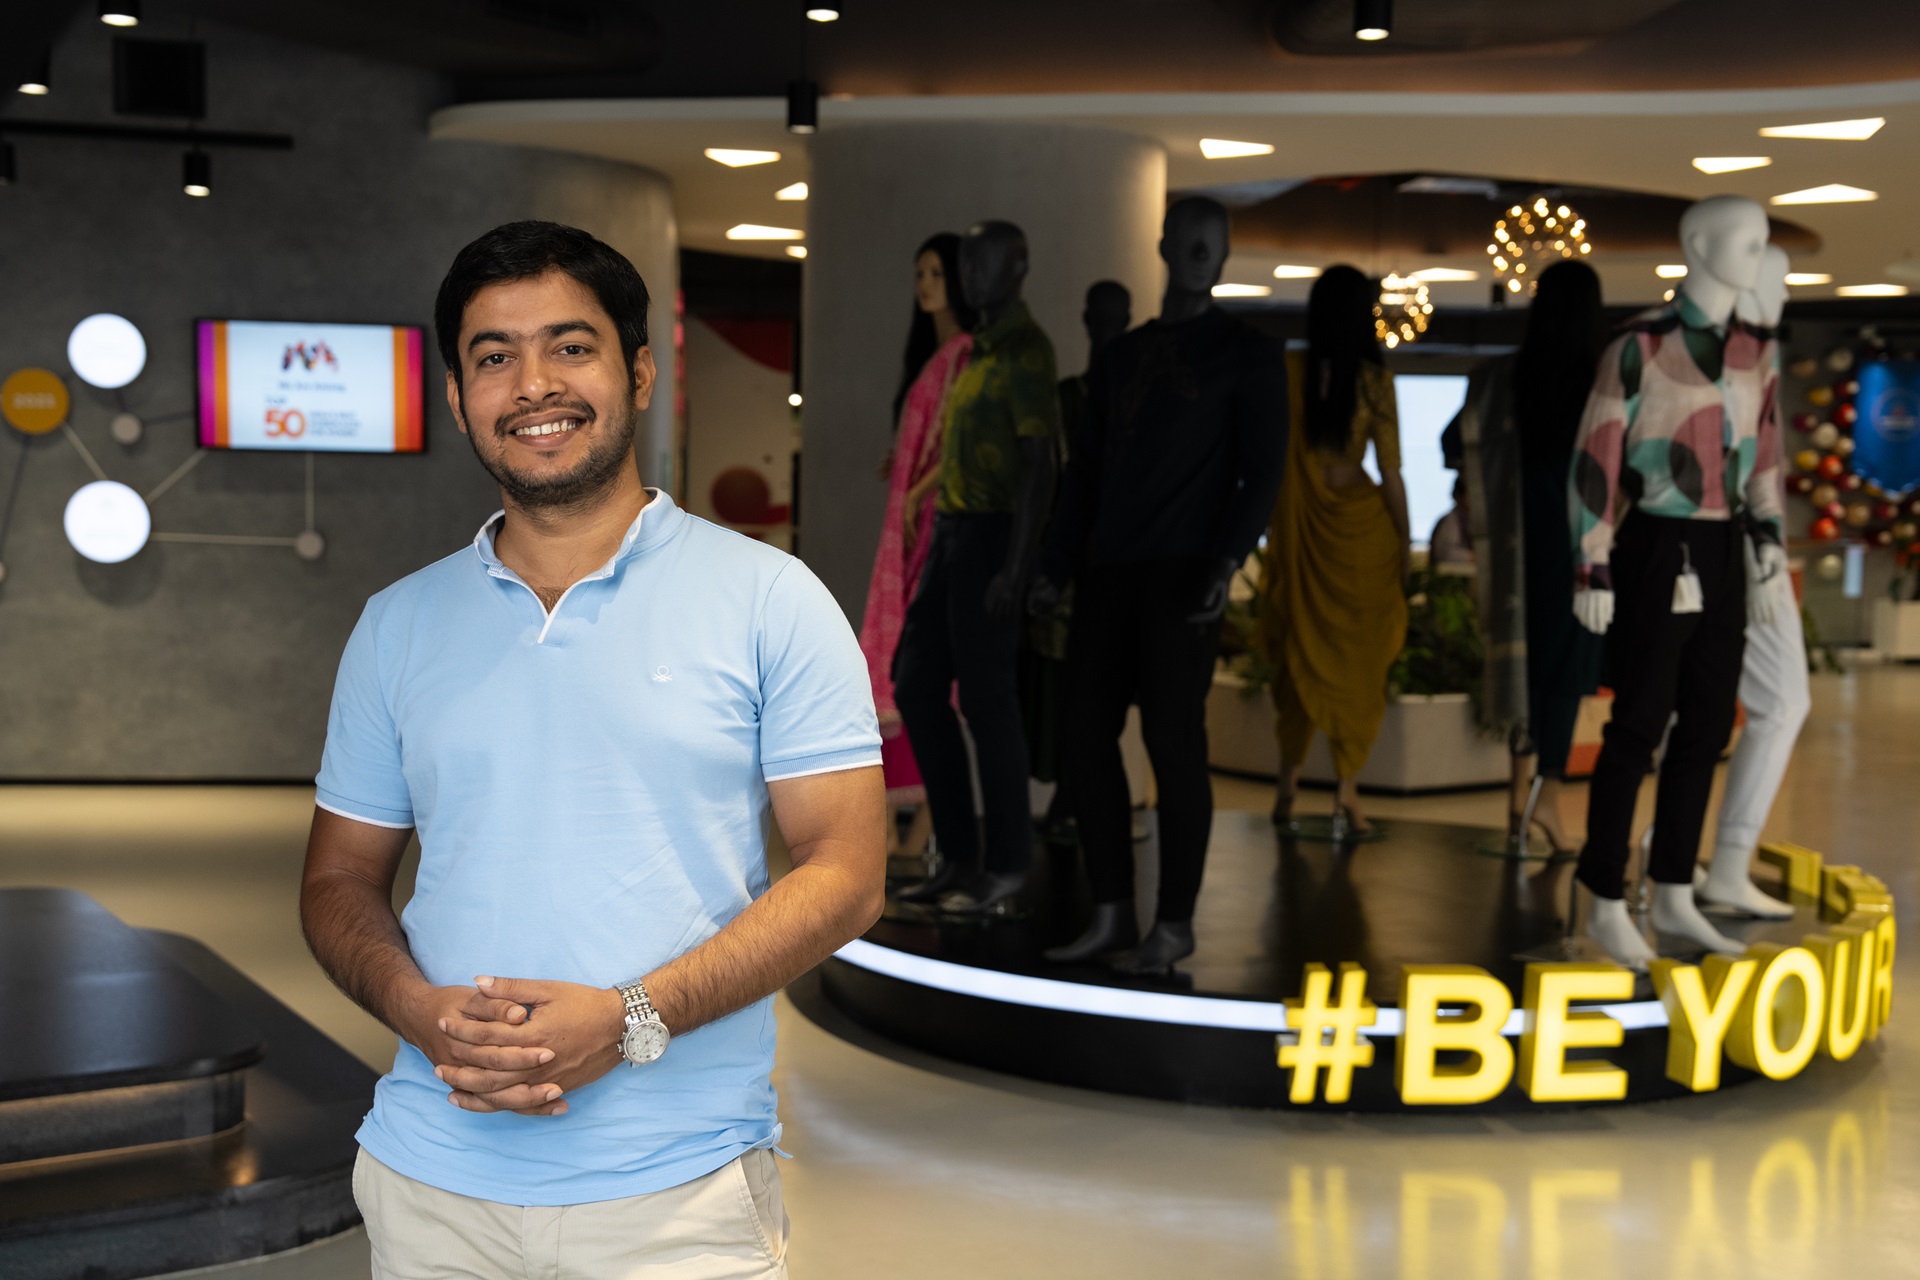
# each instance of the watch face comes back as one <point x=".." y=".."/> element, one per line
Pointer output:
<point x="644" y="1042"/>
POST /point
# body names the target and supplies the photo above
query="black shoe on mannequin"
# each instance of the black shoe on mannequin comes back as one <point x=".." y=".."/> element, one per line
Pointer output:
<point x="954" y="873"/>
<point x="1112" y="929"/>
<point x="1164" y="944"/>
<point x="984" y="894"/>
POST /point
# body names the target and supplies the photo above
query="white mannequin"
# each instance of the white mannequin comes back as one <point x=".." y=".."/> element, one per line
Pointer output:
<point x="1724" y="240"/>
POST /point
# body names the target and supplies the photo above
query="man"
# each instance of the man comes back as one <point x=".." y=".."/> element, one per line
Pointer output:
<point x="587" y="717"/>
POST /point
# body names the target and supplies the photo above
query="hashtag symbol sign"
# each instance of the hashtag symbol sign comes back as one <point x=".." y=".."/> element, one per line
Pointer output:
<point x="1327" y="1035"/>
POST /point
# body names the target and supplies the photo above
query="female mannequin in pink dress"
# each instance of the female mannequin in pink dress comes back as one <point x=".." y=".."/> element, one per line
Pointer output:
<point x="937" y="347"/>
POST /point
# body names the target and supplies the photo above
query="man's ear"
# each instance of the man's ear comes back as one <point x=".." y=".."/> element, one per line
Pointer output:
<point x="453" y="402"/>
<point x="644" y="374"/>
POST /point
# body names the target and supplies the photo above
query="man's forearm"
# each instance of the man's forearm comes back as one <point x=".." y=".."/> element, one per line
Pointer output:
<point x="352" y="932"/>
<point x="810" y="913"/>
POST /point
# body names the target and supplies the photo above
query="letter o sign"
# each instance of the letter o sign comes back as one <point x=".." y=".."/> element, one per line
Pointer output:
<point x="1789" y="995"/>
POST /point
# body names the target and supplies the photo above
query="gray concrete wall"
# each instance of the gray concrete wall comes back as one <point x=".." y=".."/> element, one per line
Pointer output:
<point x="1090" y="202"/>
<point x="217" y="662"/>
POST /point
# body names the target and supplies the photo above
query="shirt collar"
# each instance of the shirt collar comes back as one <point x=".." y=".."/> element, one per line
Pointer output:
<point x="654" y="525"/>
<point x="1693" y="317"/>
<point x="991" y="337"/>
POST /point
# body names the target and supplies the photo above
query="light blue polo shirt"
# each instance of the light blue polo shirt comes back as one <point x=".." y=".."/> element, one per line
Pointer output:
<point x="590" y="792"/>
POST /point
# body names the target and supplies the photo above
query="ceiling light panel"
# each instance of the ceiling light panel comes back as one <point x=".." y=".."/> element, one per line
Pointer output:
<point x="1808" y="277"/>
<point x="1290" y="272"/>
<point x="796" y="251"/>
<point x="1242" y="290"/>
<point x="1443" y="275"/>
<point x="1831" y="130"/>
<point x="1730" y="164"/>
<point x="736" y="158"/>
<point x="1832" y="193"/>
<point x="1227" y="149"/>
<point x="753" y="231"/>
<point x="798" y="191"/>
<point x="1872" y="291"/>
<point x="1670" y="270"/>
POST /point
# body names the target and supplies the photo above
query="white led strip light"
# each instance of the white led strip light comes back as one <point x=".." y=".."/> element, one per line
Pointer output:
<point x="1150" y="1006"/>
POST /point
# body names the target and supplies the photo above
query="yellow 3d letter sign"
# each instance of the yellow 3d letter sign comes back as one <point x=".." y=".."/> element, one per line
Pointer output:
<point x="1327" y="1035"/>
<point x="1788" y="999"/>
<point x="1552" y="1028"/>
<point x="1701" y="1001"/>
<point x="1426" y="1031"/>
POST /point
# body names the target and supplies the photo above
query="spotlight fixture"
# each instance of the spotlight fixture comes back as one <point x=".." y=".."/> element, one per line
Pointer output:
<point x="196" y="174"/>
<point x="120" y="13"/>
<point x="823" y="13"/>
<point x="1372" y="19"/>
<point x="40" y="83"/>
<point x="803" y="107"/>
<point x="6" y="163"/>
<point x="795" y="399"/>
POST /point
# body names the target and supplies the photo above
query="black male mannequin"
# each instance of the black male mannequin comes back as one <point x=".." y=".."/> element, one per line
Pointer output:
<point x="997" y="472"/>
<point x="1172" y="487"/>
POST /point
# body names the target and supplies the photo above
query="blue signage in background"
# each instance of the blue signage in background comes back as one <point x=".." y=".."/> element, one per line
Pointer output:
<point x="1886" y="436"/>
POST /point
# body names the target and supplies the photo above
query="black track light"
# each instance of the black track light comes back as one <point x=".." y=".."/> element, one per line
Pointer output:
<point x="196" y="174"/>
<point x="120" y="13"/>
<point x="803" y="106"/>
<point x="40" y="81"/>
<point x="1372" y="19"/>
<point x="6" y="163"/>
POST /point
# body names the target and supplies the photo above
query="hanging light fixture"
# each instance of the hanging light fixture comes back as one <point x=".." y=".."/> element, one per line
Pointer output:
<point x="120" y="13"/>
<point x="1403" y="311"/>
<point x="1372" y="19"/>
<point x="824" y="12"/>
<point x="1531" y="237"/>
<point x="196" y="174"/>
<point x="803" y="106"/>
<point x="40" y="83"/>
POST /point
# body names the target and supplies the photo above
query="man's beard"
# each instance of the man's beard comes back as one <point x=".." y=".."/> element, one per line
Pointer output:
<point x="593" y="477"/>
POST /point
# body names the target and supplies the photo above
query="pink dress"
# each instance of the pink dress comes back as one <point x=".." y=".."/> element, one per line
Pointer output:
<point x="896" y="572"/>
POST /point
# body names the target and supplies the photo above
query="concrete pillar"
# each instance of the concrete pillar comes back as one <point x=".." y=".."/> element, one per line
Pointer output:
<point x="1090" y="201"/>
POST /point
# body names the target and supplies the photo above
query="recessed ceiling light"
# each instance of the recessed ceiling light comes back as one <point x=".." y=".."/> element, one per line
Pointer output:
<point x="795" y="399"/>
<point x="824" y="13"/>
<point x="1872" y="291"/>
<point x="1833" y="130"/>
<point x="1372" y="19"/>
<point x="1730" y="164"/>
<point x="753" y="231"/>
<point x="1442" y="275"/>
<point x="735" y="158"/>
<point x="1289" y="272"/>
<point x="798" y="191"/>
<point x="120" y="13"/>
<point x="1242" y="290"/>
<point x="40" y="82"/>
<point x="1670" y="270"/>
<point x="1832" y="193"/>
<point x="1667" y="296"/>
<point x="796" y="251"/>
<point x="196" y="173"/>
<point x="1808" y="277"/>
<point x="1227" y="149"/>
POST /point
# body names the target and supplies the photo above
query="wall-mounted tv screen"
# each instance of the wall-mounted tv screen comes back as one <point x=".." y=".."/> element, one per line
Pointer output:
<point x="298" y="387"/>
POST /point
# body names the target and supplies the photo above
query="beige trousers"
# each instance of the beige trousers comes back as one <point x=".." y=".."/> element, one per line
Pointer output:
<point x="729" y="1225"/>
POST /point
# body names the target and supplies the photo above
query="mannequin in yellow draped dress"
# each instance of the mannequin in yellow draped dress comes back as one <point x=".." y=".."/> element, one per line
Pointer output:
<point x="1337" y="547"/>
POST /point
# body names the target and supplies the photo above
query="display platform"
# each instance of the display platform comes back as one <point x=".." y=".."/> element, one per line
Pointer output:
<point x="159" y="1112"/>
<point x="1426" y="894"/>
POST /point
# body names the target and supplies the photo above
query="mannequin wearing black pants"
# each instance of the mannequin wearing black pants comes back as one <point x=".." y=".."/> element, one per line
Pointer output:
<point x="1660" y="663"/>
<point x="1128" y="646"/>
<point x="949" y="636"/>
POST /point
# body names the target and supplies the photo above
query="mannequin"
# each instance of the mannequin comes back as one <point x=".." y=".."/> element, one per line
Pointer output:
<point x="1164" y="496"/>
<point x="1773" y="675"/>
<point x="1676" y="421"/>
<point x="997" y="473"/>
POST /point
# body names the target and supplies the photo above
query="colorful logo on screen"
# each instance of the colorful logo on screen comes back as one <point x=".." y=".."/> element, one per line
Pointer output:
<point x="307" y="357"/>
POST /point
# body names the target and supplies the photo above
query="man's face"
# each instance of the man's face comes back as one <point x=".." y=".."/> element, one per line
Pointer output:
<point x="548" y="402"/>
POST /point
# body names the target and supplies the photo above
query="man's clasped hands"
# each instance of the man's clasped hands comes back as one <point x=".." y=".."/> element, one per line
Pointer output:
<point x="515" y="1044"/>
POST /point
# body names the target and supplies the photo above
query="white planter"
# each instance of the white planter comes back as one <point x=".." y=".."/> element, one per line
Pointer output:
<point x="1896" y="628"/>
<point x="1425" y="743"/>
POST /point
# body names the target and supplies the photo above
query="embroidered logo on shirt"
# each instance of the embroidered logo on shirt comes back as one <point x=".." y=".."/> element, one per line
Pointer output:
<point x="662" y="676"/>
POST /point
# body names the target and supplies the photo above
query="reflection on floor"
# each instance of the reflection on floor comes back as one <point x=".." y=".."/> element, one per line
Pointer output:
<point x="909" y="1167"/>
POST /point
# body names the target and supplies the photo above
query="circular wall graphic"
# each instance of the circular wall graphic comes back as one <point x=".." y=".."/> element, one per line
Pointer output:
<point x="106" y="350"/>
<point x="34" y="400"/>
<point x="107" y="522"/>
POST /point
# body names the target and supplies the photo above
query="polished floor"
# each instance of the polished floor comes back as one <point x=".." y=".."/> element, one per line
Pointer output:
<point x="909" y="1167"/>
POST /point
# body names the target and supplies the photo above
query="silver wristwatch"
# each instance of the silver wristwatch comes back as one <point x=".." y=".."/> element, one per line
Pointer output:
<point x="646" y="1036"/>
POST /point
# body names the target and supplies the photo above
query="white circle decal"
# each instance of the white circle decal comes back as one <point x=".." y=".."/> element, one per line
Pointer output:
<point x="106" y="351"/>
<point x="107" y="522"/>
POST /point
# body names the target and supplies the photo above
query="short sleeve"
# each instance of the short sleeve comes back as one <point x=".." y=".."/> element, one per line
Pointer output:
<point x="1033" y="388"/>
<point x="360" y="774"/>
<point x="1385" y="410"/>
<point x="816" y="702"/>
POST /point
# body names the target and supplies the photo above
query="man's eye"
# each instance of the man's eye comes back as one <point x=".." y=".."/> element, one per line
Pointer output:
<point x="497" y="358"/>
<point x="573" y="349"/>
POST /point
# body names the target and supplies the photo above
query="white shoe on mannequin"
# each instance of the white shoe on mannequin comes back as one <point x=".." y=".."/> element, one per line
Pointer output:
<point x="1675" y="912"/>
<point x="1724" y="889"/>
<point x="1610" y="925"/>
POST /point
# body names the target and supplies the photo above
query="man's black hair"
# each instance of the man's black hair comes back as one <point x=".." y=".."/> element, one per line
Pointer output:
<point x="521" y="250"/>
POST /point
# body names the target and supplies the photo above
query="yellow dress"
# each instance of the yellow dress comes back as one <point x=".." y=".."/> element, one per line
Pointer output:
<point x="1336" y="613"/>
